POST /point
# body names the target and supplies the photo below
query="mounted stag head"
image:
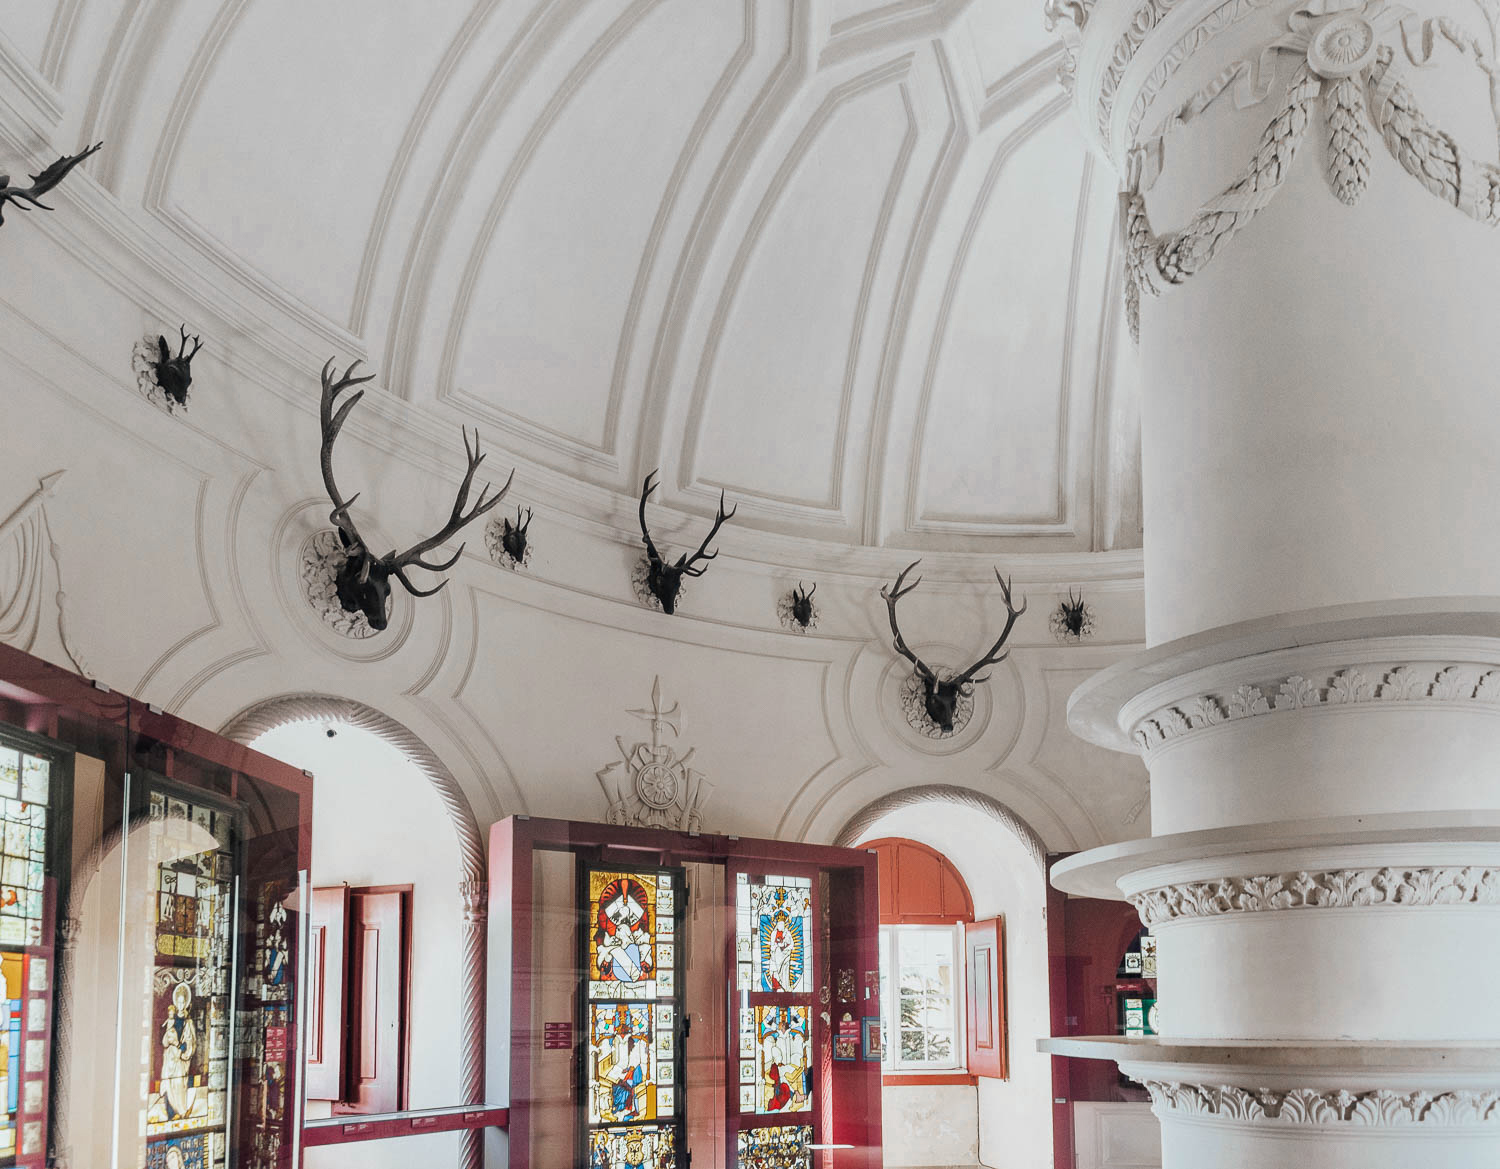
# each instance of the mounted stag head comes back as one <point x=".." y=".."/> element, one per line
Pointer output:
<point x="175" y="374"/>
<point x="802" y="606"/>
<point x="664" y="580"/>
<point x="1072" y="620"/>
<point x="940" y="695"/>
<point x="364" y="581"/>
<point x="40" y="183"/>
<point x="513" y="536"/>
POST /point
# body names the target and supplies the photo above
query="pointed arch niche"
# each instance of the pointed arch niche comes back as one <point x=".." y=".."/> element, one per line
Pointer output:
<point x="365" y="756"/>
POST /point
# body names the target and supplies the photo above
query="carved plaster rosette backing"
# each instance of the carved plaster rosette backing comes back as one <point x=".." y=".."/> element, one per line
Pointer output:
<point x="1466" y="684"/>
<point x="914" y="707"/>
<point x="640" y="572"/>
<point x="322" y="557"/>
<point x="1381" y="1108"/>
<point x="143" y="357"/>
<point x="494" y="530"/>
<point x="786" y="613"/>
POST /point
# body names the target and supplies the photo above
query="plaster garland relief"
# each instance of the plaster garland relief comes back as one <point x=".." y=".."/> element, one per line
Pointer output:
<point x="1344" y="60"/>
<point x="1382" y="1108"/>
<point x="1329" y="889"/>
<point x="1467" y="683"/>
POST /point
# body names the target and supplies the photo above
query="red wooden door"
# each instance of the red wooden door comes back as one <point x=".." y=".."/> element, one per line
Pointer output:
<point x="377" y="1007"/>
<point x="984" y="945"/>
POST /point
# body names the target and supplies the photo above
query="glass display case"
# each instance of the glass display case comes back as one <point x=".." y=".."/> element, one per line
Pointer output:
<point x="673" y="996"/>
<point x="151" y="888"/>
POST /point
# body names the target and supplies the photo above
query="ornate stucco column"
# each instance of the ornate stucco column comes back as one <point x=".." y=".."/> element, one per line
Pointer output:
<point x="1309" y="197"/>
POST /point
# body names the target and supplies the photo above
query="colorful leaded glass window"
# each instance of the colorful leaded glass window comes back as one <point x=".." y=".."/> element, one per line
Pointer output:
<point x="631" y="1017"/>
<point x="775" y="975"/>
<point x="775" y="1147"/>
<point x="25" y="791"/>
<point x="191" y="851"/>
<point x="33" y="778"/>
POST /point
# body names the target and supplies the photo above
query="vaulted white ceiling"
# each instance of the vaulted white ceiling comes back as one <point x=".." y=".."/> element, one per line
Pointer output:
<point x="846" y="260"/>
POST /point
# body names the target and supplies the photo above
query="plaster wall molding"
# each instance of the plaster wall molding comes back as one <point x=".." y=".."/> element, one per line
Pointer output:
<point x="1305" y="1107"/>
<point x="1412" y="888"/>
<point x="895" y="74"/>
<point x="962" y="797"/>
<point x="1460" y="685"/>
<point x="21" y="611"/>
<point x="263" y="717"/>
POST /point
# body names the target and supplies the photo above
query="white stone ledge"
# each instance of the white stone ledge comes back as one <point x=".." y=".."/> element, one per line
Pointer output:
<point x="1254" y="848"/>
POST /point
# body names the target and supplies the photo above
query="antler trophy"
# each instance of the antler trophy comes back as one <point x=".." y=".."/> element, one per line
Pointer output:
<point x="663" y="579"/>
<point x="364" y="581"/>
<point x="940" y="695"/>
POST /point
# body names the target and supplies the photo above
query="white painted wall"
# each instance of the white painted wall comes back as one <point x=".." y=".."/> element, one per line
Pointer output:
<point x="377" y="821"/>
<point x="929" y="1125"/>
<point x="1013" y="1117"/>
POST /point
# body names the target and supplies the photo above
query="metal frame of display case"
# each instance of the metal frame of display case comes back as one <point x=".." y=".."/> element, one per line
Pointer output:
<point x="846" y="1113"/>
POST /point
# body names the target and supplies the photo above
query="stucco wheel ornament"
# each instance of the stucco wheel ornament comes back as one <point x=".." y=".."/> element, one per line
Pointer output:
<point x="656" y="785"/>
<point x="1347" y="58"/>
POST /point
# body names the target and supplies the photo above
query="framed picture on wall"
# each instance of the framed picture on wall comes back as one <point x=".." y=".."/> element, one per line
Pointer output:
<point x="872" y="1039"/>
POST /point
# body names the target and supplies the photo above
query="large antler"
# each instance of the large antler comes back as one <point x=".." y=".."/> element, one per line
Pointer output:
<point x="892" y="595"/>
<point x="198" y="344"/>
<point x="457" y="520"/>
<point x="331" y="424"/>
<point x="685" y="562"/>
<point x="647" y="487"/>
<point x="990" y="658"/>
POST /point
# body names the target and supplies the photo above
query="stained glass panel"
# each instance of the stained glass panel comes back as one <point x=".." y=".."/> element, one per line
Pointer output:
<point x="641" y="1147"/>
<point x="623" y="1054"/>
<point x="773" y="918"/>
<point x="188" y="984"/>
<point x="777" y="1147"/>
<point x="630" y="1018"/>
<point x="631" y="947"/>
<point x="781" y="1066"/>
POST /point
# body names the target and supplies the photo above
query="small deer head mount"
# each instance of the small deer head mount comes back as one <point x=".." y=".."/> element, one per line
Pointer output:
<point x="513" y="536"/>
<point x="364" y="581"/>
<point x="663" y="580"/>
<point x="1072" y="620"/>
<point x="796" y="609"/>
<point x="175" y="374"/>
<point x="940" y="695"/>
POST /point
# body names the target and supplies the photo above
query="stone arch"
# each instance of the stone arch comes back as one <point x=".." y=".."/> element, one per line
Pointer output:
<point x="272" y="713"/>
<point x="945" y="793"/>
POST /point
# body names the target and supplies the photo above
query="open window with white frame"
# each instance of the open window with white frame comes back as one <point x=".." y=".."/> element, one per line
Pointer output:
<point x="922" y="998"/>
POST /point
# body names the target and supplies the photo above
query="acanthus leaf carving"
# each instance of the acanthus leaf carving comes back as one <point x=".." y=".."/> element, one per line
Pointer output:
<point x="1380" y="1108"/>
<point x="1323" y="889"/>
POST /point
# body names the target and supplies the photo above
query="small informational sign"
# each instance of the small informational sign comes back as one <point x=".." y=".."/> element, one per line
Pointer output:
<point x="557" y="1036"/>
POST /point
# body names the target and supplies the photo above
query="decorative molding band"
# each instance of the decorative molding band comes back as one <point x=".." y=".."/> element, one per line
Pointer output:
<point x="1345" y="62"/>
<point x="1382" y="1108"/>
<point x="1329" y="889"/>
<point x="1463" y="683"/>
<point x="963" y="797"/>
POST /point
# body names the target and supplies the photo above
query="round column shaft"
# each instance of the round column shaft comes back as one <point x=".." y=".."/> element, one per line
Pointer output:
<point x="1310" y="197"/>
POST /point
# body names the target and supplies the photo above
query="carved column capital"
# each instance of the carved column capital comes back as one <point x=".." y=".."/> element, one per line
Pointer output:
<point x="476" y="895"/>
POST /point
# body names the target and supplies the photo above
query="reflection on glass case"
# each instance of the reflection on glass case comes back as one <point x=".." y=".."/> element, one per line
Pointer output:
<point x="696" y="972"/>
<point x="150" y="908"/>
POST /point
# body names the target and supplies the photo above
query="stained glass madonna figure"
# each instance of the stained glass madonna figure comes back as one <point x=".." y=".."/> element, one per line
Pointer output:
<point x="623" y="949"/>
